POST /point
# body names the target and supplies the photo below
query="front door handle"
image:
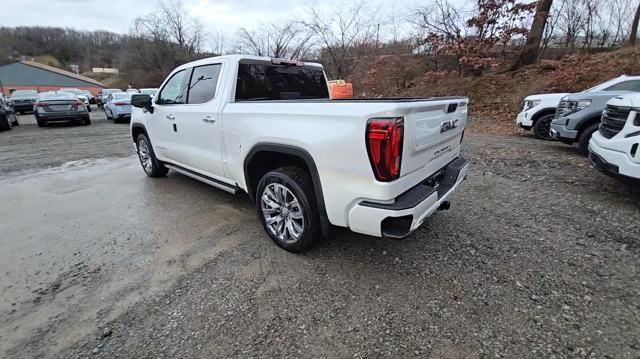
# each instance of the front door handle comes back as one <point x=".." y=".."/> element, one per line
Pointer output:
<point x="208" y="119"/>
<point x="171" y="117"/>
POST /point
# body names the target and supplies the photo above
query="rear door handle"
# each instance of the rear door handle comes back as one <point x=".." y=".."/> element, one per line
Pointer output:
<point x="171" y="117"/>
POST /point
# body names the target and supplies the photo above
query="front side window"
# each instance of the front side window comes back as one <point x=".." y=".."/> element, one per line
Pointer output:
<point x="633" y="85"/>
<point x="204" y="80"/>
<point x="173" y="91"/>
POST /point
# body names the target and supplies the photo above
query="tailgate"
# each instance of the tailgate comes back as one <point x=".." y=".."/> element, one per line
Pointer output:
<point x="432" y="134"/>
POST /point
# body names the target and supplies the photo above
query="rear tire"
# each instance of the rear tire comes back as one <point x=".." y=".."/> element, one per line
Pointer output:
<point x="542" y="127"/>
<point x="287" y="208"/>
<point x="585" y="136"/>
<point x="42" y="123"/>
<point x="5" y="123"/>
<point x="86" y="121"/>
<point x="150" y="164"/>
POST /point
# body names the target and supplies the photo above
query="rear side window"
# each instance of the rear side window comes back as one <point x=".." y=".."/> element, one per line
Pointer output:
<point x="625" y="86"/>
<point x="173" y="91"/>
<point x="275" y="82"/>
<point x="204" y="80"/>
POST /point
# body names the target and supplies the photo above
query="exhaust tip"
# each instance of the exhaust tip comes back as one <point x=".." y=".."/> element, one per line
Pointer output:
<point x="444" y="206"/>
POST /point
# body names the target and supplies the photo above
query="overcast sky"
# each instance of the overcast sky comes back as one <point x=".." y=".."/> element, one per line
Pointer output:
<point x="224" y="16"/>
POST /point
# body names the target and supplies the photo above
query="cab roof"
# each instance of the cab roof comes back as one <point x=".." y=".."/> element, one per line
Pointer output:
<point x="238" y="58"/>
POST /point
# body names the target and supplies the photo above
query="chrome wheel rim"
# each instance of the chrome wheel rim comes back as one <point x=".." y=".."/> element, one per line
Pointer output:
<point x="145" y="156"/>
<point x="282" y="213"/>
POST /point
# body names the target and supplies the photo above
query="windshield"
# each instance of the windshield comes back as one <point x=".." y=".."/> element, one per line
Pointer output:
<point x="149" y="91"/>
<point x="24" y="93"/>
<point x="107" y="92"/>
<point x="264" y="81"/>
<point x="62" y="95"/>
<point x="121" y="96"/>
<point x="604" y="85"/>
<point x="74" y="91"/>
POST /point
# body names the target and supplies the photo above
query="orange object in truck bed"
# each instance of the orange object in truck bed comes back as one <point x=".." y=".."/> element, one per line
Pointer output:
<point x="340" y="89"/>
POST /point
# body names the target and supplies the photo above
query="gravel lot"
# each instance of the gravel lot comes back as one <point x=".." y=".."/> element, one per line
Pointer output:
<point x="26" y="148"/>
<point x="538" y="257"/>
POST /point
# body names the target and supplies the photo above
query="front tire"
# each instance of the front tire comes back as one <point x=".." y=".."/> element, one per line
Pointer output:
<point x="287" y="207"/>
<point x="543" y="126"/>
<point x="150" y="164"/>
<point x="15" y="120"/>
<point x="585" y="136"/>
<point x="5" y="123"/>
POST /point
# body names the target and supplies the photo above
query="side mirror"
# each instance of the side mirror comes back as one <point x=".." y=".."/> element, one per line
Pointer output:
<point x="142" y="101"/>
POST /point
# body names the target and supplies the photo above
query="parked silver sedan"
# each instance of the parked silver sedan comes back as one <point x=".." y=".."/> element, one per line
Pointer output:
<point x="60" y="106"/>
<point x="80" y="95"/>
<point x="118" y="106"/>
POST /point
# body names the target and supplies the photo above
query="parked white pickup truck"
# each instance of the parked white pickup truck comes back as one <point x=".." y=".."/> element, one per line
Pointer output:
<point x="615" y="148"/>
<point x="268" y="127"/>
<point x="538" y="111"/>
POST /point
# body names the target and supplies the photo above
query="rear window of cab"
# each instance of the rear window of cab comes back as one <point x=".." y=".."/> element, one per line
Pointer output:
<point x="263" y="81"/>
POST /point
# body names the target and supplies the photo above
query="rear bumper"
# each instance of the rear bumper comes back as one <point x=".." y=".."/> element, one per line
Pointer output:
<point x="23" y="107"/>
<point x="63" y="117"/>
<point x="409" y="210"/>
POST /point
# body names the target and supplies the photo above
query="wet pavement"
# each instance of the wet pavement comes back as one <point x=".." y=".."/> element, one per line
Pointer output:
<point x="538" y="257"/>
<point x="79" y="240"/>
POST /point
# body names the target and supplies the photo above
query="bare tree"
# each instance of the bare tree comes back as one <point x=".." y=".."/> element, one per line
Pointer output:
<point x="439" y="17"/>
<point x="342" y="31"/>
<point x="552" y="24"/>
<point x="164" y="39"/>
<point x="572" y="21"/>
<point x="218" y="43"/>
<point x="633" y="34"/>
<point x="529" y="54"/>
<point x="280" y="40"/>
<point x="618" y="15"/>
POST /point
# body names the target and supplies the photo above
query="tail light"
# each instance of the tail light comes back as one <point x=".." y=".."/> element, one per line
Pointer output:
<point x="119" y="103"/>
<point x="384" y="139"/>
<point x="42" y="104"/>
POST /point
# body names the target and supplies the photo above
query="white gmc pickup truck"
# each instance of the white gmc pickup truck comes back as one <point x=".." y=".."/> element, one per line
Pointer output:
<point x="268" y="127"/>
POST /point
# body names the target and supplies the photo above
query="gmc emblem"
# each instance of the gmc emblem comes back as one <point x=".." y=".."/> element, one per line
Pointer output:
<point x="448" y="125"/>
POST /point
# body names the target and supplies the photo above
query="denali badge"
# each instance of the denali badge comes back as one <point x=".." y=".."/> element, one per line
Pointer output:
<point x="448" y="125"/>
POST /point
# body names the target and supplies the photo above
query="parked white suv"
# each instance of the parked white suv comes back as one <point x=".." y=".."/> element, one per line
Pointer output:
<point x="268" y="127"/>
<point x="614" y="149"/>
<point x="538" y="111"/>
